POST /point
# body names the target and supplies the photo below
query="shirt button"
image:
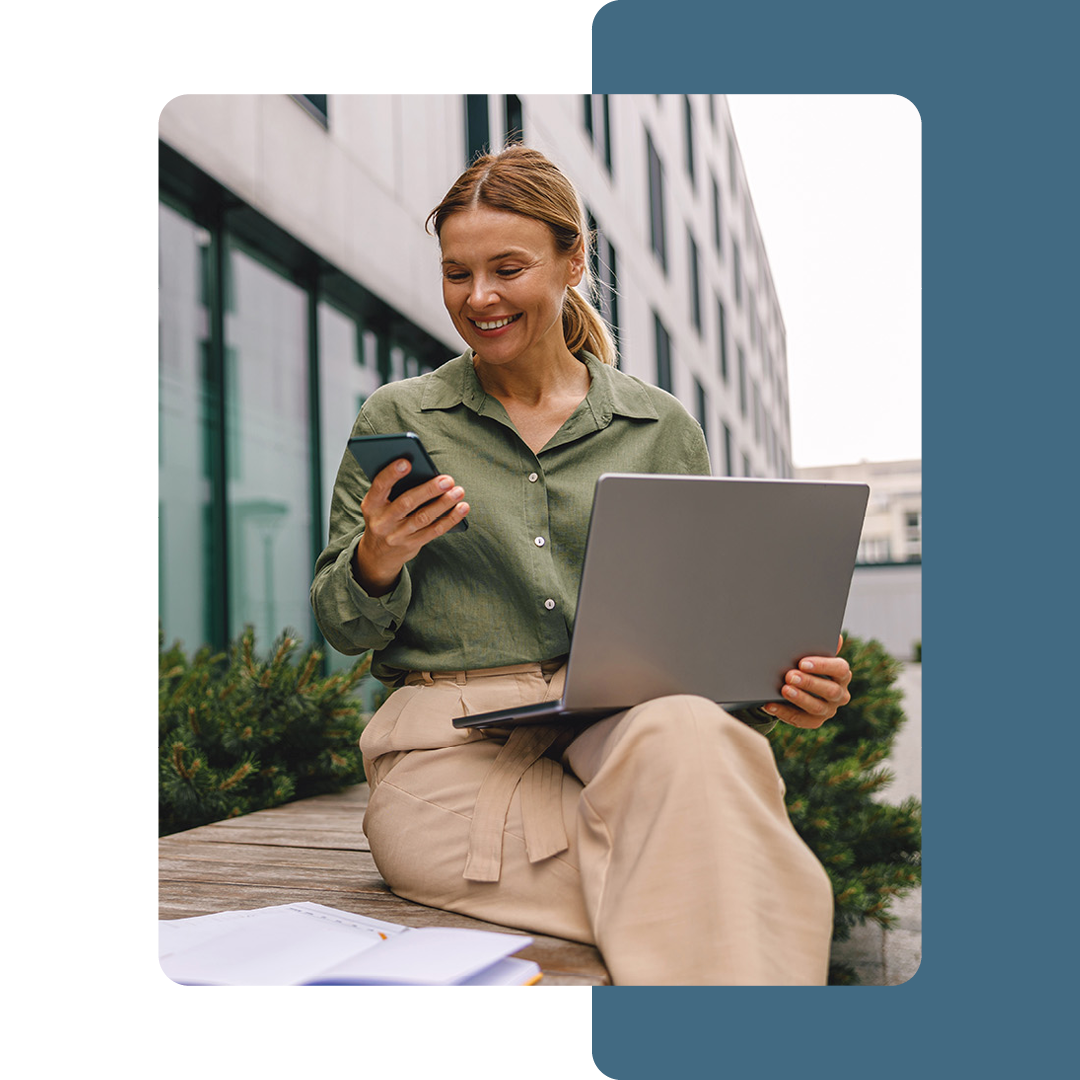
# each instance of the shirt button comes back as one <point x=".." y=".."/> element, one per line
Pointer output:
<point x="539" y="541"/>
<point x="533" y="478"/>
<point x="549" y="604"/>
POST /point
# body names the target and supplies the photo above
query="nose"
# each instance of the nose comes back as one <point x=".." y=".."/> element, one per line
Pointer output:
<point x="483" y="293"/>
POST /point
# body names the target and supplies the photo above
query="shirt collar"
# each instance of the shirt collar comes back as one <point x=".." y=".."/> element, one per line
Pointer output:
<point x="610" y="393"/>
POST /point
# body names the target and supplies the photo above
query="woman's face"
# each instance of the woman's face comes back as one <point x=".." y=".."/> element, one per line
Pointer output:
<point x="504" y="284"/>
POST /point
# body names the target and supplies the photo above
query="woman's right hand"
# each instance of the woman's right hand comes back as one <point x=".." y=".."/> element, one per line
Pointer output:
<point x="395" y="531"/>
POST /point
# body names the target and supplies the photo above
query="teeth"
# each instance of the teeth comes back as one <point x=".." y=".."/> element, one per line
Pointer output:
<point x="495" y="325"/>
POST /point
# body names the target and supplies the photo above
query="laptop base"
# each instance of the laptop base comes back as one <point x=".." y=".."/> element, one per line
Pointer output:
<point x="542" y="712"/>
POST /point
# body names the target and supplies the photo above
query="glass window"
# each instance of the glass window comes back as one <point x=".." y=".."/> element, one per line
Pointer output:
<point x="663" y="355"/>
<point x="742" y="380"/>
<point x="597" y="117"/>
<point x="729" y="459"/>
<point x="695" y="281"/>
<point x="267" y="450"/>
<point x="736" y="270"/>
<point x="656" y="202"/>
<point x="186" y="417"/>
<point x="717" y="224"/>
<point x="605" y="109"/>
<point x="477" y="126"/>
<point x="721" y="330"/>
<point x="701" y="403"/>
<point x="733" y="181"/>
<point x="348" y="375"/>
<point x="688" y="130"/>
<point x="606" y="280"/>
<point x="515" y="123"/>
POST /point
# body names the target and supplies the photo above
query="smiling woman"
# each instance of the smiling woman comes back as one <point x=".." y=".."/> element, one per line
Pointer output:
<point x="504" y="285"/>
<point x="525" y="184"/>
<point x="589" y="833"/>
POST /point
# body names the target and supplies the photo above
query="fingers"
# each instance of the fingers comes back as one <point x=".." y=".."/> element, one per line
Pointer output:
<point x="418" y="507"/>
<point x="436" y="517"/>
<point x="813" y="692"/>
<point x="817" y="697"/>
<point x="794" y="716"/>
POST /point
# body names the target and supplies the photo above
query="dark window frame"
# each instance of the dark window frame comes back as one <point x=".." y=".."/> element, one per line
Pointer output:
<point x="317" y="106"/>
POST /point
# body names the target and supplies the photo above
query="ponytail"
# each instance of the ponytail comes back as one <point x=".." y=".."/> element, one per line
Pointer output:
<point x="585" y="329"/>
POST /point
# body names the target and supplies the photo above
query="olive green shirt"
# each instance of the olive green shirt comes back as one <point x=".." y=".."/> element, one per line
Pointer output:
<point x="504" y="591"/>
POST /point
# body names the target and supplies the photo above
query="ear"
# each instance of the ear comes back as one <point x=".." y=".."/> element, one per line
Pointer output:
<point x="577" y="265"/>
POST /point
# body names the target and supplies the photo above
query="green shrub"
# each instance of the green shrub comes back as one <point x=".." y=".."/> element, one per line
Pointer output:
<point x="237" y="733"/>
<point x="871" y="850"/>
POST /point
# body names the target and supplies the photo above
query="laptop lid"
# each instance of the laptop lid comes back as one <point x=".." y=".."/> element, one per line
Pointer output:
<point x="709" y="585"/>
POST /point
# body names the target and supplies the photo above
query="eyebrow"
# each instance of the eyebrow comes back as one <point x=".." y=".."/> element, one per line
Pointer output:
<point x="512" y="253"/>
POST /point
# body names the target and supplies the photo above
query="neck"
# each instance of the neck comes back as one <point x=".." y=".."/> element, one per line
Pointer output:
<point x="535" y="380"/>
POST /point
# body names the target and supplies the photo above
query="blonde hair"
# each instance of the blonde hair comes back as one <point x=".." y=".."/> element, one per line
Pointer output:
<point x="522" y="181"/>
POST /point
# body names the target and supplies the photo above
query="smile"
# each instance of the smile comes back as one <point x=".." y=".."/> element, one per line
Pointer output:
<point x="496" y="324"/>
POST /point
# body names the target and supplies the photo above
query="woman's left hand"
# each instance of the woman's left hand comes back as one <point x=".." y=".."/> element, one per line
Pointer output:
<point x="813" y="691"/>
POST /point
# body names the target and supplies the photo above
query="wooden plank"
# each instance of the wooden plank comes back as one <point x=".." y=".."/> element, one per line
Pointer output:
<point x="255" y="854"/>
<point x="315" y="850"/>
<point x="253" y="874"/>
<point x="269" y="834"/>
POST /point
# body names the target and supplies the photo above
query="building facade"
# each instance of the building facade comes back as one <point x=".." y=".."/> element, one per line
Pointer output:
<point x="885" y="601"/>
<point x="892" y="530"/>
<point x="296" y="277"/>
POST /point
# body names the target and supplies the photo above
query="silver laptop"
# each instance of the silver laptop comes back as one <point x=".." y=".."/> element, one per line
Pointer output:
<point x="702" y="585"/>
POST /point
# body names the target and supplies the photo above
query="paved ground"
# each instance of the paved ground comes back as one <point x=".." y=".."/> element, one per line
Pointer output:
<point x="887" y="958"/>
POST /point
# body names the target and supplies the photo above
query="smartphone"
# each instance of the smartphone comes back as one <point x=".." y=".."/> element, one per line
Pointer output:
<point x="374" y="452"/>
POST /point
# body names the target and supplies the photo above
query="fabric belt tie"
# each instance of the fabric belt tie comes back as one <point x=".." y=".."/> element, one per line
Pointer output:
<point x="521" y="760"/>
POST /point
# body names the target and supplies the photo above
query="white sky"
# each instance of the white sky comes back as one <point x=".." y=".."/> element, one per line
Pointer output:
<point x="836" y="184"/>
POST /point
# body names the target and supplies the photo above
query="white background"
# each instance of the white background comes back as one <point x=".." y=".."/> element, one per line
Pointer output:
<point x="835" y="182"/>
<point x="84" y="85"/>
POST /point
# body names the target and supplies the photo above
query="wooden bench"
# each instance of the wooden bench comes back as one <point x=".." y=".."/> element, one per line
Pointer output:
<point x="315" y="849"/>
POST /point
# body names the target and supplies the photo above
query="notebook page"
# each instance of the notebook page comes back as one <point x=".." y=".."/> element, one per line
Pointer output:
<point x="277" y="946"/>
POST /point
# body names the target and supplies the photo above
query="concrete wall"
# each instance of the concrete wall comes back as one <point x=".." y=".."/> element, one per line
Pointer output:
<point x="885" y="602"/>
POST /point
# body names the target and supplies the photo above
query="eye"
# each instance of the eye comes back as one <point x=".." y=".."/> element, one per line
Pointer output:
<point x="509" y="271"/>
<point x="455" y="275"/>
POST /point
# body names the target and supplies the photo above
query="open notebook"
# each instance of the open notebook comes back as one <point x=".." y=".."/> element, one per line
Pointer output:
<point x="306" y="944"/>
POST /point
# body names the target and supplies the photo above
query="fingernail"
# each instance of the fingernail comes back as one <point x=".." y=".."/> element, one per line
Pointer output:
<point x="796" y="679"/>
<point x="445" y="482"/>
<point x="402" y="466"/>
<point x="807" y="665"/>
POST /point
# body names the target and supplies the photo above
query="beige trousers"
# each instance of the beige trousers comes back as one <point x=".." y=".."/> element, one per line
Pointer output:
<point x="658" y="834"/>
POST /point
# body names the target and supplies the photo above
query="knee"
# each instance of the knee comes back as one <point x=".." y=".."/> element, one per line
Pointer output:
<point x="681" y="725"/>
